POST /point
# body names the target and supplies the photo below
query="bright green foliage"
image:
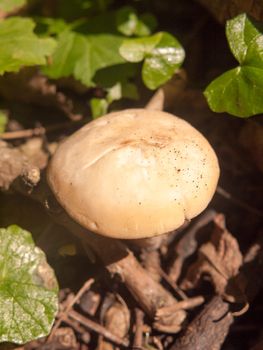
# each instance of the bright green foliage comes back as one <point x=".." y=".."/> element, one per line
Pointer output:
<point x="19" y="46"/>
<point x="92" y="47"/>
<point x="50" y="26"/>
<point x="129" y="23"/>
<point x="240" y="90"/>
<point x="28" y="288"/>
<point x="83" y="55"/>
<point x="11" y="5"/>
<point x="162" y="55"/>
<point x="3" y="120"/>
<point x="99" y="106"/>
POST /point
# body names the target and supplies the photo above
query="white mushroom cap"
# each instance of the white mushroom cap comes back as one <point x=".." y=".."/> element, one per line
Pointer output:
<point x="133" y="174"/>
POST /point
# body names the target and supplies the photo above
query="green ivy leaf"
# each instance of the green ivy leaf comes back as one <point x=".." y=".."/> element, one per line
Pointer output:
<point x="162" y="55"/>
<point x="241" y="33"/>
<point x="107" y="77"/>
<point x="103" y="52"/>
<point x="239" y="91"/>
<point x="28" y="288"/>
<point x="19" y="46"/>
<point x="126" y="20"/>
<point x="83" y="55"/>
<point x="50" y="26"/>
<point x="129" y="23"/>
<point x="70" y="48"/>
<point x="146" y="25"/>
<point x="11" y="5"/>
<point x="99" y="107"/>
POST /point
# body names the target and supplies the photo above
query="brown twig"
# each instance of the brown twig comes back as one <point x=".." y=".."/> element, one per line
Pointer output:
<point x="65" y="312"/>
<point x="184" y="304"/>
<point x="175" y="287"/>
<point x="138" y="335"/>
<point x="91" y="325"/>
<point x="38" y="131"/>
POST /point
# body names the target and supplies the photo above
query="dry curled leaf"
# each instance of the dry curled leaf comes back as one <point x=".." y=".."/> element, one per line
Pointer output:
<point x="64" y="338"/>
<point x="115" y="316"/>
<point x="221" y="259"/>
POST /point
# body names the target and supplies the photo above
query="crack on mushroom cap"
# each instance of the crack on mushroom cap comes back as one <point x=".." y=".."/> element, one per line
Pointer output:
<point x="135" y="173"/>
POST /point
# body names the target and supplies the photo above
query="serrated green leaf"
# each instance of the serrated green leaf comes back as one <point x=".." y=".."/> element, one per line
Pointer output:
<point x="239" y="91"/>
<point x="28" y="288"/>
<point x="162" y="55"/>
<point x="19" y="46"/>
<point x="11" y="5"/>
<point x="83" y="55"/>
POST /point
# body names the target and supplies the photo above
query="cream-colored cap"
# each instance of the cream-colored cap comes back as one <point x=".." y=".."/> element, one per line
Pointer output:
<point x="133" y="174"/>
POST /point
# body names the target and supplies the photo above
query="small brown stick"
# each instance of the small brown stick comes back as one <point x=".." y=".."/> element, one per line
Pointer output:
<point x="64" y="313"/>
<point x="184" y="304"/>
<point x="76" y="326"/>
<point x="238" y="202"/>
<point x="138" y="335"/>
<point x="93" y="326"/>
<point x="175" y="287"/>
<point x="149" y="294"/>
<point x="27" y="133"/>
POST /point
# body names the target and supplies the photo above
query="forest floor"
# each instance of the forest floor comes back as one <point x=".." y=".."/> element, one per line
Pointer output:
<point x="213" y="265"/>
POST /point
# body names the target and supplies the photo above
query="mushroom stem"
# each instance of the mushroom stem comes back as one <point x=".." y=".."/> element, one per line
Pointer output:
<point x="116" y="257"/>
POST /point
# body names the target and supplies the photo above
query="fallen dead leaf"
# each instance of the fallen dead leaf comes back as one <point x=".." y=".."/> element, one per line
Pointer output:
<point x="220" y="258"/>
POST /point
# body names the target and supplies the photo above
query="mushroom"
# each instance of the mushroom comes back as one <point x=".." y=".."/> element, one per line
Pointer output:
<point x="133" y="174"/>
